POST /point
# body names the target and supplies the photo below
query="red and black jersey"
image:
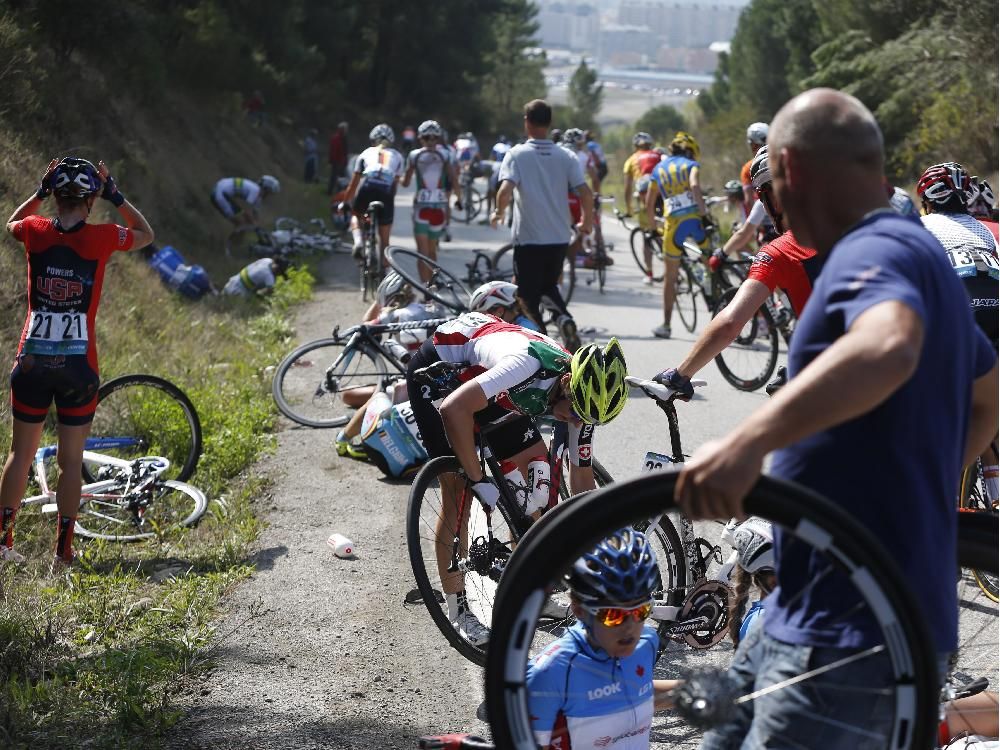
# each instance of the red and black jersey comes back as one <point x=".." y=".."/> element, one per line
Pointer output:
<point x="646" y="161"/>
<point x="785" y="264"/>
<point x="65" y="276"/>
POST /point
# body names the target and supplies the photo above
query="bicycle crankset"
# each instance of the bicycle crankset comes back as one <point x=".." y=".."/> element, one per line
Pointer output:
<point x="704" y="615"/>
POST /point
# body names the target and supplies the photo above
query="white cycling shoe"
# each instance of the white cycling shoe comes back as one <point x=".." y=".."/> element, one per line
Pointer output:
<point x="469" y="627"/>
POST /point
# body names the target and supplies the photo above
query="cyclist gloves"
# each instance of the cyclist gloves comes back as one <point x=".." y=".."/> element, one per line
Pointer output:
<point x="487" y="493"/>
<point x="110" y="192"/>
<point x="674" y="380"/>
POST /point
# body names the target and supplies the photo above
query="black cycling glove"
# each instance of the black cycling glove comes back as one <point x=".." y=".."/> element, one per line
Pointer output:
<point x="110" y="192"/>
<point x="675" y="381"/>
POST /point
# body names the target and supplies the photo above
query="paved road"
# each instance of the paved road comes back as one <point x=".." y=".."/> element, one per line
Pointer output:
<point x="337" y="660"/>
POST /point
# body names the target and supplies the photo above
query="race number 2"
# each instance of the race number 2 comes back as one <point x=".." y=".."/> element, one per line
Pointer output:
<point x="54" y="333"/>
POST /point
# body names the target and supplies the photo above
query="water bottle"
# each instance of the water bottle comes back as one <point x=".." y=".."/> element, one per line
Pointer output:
<point x="341" y="545"/>
<point x="539" y="481"/>
<point x="516" y="482"/>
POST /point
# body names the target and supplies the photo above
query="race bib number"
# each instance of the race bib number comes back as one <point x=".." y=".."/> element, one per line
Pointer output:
<point x="52" y="333"/>
<point x="655" y="462"/>
<point x="964" y="262"/>
<point x="677" y="203"/>
<point x="431" y="195"/>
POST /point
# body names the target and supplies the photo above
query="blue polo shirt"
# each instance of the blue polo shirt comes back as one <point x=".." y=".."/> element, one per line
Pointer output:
<point x="895" y="468"/>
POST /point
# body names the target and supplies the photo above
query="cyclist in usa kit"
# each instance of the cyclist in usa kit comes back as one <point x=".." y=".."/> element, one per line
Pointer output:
<point x="376" y="173"/>
<point x="56" y="358"/>
<point x="594" y="687"/>
<point x="676" y="181"/>
<point x="781" y="264"/>
<point x="509" y="376"/>
<point x="437" y="175"/>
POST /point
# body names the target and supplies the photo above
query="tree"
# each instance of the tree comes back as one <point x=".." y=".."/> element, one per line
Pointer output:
<point x="515" y="74"/>
<point x="661" y="122"/>
<point x="585" y="96"/>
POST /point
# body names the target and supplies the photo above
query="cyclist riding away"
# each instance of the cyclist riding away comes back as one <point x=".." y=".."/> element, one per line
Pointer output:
<point x="676" y="180"/>
<point x="56" y="357"/>
<point x="781" y="264"/>
<point x="376" y="173"/>
<point x="239" y="199"/>
<point x="756" y="139"/>
<point x="436" y="177"/>
<point x="638" y="170"/>
<point x="594" y="687"/>
<point x="600" y="160"/>
<point x="510" y="375"/>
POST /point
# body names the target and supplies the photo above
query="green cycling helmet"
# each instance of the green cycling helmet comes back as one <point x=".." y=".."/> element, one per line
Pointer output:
<point x="597" y="387"/>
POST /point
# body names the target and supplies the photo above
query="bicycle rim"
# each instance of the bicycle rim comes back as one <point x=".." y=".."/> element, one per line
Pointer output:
<point x="503" y="264"/>
<point x="686" y="299"/>
<point x="749" y="361"/>
<point x="442" y="285"/>
<point x="639" y="244"/>
<point x="309" y="384"/>
<point x="911" y="691"/>
<point x="120" y="516"/>
<point x="142" y="415"/>
<point x="974" y="499"/>
<point x="567" y="281"/>
<point x="426" y="510"/>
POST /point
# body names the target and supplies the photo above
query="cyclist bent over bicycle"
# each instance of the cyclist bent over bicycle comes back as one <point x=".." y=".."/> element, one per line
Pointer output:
<point x="509" y="375"/>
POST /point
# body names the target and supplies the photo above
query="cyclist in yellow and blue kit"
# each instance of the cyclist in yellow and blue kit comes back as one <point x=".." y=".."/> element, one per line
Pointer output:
<point x="685" y="215"/>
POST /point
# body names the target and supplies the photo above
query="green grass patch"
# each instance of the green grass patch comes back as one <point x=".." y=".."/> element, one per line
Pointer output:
<point x="100" y="654"/>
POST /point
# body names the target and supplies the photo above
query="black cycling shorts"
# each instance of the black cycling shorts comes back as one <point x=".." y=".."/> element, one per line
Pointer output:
<point x="983" y="292"/>
<point x="36" y="381"/>
<point x="368" y="193"/>
<point x="505" y="440"/>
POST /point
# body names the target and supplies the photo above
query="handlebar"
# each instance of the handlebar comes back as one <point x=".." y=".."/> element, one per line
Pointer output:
<point x="440" y="374"/>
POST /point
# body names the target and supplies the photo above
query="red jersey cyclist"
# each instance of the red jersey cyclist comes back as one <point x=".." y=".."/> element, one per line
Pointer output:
<point x="782" y="263"/>
<point x="56" y="357"/>
<point x="509" y="375"/>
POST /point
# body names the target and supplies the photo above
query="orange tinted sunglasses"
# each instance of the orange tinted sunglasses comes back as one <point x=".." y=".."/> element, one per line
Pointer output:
<point x="612" y="617"/>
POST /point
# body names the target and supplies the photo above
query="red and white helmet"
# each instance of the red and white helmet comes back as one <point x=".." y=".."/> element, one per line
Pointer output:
<point x="493" y="294"/>
<point x="939" y="183"/>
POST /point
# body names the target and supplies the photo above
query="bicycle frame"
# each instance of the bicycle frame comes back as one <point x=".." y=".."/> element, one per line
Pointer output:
<point x="365" y="337"/>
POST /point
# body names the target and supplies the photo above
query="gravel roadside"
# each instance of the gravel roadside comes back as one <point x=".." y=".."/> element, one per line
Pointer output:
<point x="334" y="659"/>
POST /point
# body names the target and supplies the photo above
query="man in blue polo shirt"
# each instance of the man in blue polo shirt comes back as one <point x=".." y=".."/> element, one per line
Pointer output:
<point x="893" y="391"/>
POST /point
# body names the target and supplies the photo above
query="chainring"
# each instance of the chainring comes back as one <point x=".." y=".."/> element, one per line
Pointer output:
<point x="708" y="600"/>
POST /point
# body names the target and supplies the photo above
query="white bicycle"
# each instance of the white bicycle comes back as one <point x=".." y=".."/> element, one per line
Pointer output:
<point x="129" y="500"/>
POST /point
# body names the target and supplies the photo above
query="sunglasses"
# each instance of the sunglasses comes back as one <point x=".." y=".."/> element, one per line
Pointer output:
<point x="612" y="617"/>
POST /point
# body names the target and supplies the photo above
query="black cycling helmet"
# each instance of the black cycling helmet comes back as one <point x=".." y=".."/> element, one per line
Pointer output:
<point x="556" y="135"/>
<point x="75" y="178"/>
<point x="622" y="569"/>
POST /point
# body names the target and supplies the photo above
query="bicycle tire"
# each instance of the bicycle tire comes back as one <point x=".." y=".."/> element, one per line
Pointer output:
<point x="182" y="494"/>
<point x="475" y="205"/>
<point x="638" y="242"/>
<point x="567" y="281"/>
<point x="418" y="529"/>
<point x="748" y="347"/>
<point x="686" y="298"/>
<point x="503" y="264"/>
<point x="973" y="500"/>
<point x="139" y="415"/>
<point x="853" y="548"/>
<point x="443" y="286"/>
<point x="311" y="399"/>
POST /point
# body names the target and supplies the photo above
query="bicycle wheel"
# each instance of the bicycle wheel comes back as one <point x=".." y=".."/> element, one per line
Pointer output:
<point x="567" y="281"/>
<point x="748" y="363"/>
<point x="441" y="285"/>
<point x="973" y="499"/>
<point x="847" y="549"/>
<point x="686" y="298"/>
<point x="309" y="384"/>
<point x="481" y="563"/>
<point x="475" y="205"/>
<point x="639" y="244"/>
<point x="142" y="415"/>
<point x="117" y="513"/>
<point x="503" y="264"/>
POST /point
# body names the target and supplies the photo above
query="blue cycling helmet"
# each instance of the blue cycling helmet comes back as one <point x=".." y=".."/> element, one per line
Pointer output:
<point x="622" y="569"/>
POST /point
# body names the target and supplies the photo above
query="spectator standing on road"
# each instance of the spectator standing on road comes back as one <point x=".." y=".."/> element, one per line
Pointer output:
<point x="885" y="355"/>
<point x="338" y="157"/>
<point x="537" y="174"/>
<point x="311" y="150"/>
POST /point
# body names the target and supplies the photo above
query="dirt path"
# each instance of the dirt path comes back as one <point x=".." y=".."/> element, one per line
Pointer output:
<point x="336" y="660"/>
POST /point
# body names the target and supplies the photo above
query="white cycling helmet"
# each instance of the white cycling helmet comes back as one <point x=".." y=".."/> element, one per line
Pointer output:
<point x="270" y="184"/>
<point x="429" y="128"/>
<point x="642" y="139"/>
<point x="573" y="136"/>
<point x="755" y="545"/>
<point x="757" y="133"/>
<point x="493" y="294"/>
<point x="382" y="132"/>
<point x="392" y="286"/>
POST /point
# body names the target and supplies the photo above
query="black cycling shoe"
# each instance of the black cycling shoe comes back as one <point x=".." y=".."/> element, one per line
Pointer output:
<point x="780" y="379"/>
